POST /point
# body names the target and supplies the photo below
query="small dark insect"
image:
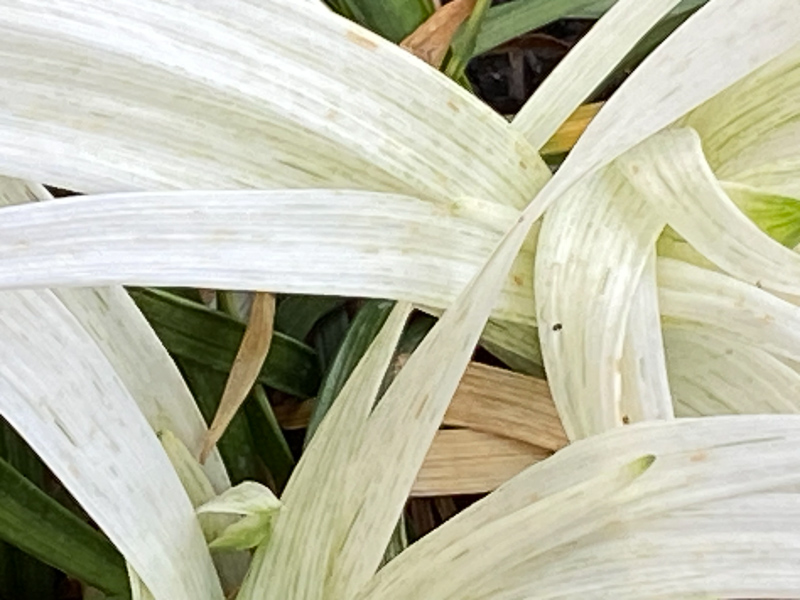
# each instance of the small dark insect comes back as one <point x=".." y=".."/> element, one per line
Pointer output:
<point x="557" y="327"/>
<point x="626" y="419"/>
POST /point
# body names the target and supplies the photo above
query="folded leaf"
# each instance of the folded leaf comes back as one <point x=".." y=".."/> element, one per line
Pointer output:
<point x="749" y="130"/>
<point x="255" y="503"/>
<point x="584" y="298"/>
<point x="671" y="169"/>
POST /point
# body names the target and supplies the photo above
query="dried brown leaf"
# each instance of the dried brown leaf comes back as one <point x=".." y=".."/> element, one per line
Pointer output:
<point x="488" y="399"/>
<point x="463" y="461"/>
<point x="567" y="135"/>
<point x="431" y="40"/>
<point x="246" y="367"/>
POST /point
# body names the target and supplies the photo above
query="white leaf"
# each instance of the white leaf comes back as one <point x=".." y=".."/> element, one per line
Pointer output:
<point x="750" y="130"/>
<point x="290" y="241"/>
<point x="710" y="51"/>
<point x="203" y="95"/>
<point x="62" y="395"/>
<point x="714" y="374"/>
<point x="711" y="299"/>
<point x="671" y="169"/>
<point x="232" y="567"/>
<point x="645" y="392"/>
<point x="584" y="297"/>
<point x="120" y="330"/>
<point x="705" y="470"/>
<point x="316" y="496"/>
<point x="246" y="498"/>
<point x="586" y="66"/>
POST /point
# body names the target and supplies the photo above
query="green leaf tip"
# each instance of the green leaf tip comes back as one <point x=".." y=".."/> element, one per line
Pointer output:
<point x="641" y="464"/>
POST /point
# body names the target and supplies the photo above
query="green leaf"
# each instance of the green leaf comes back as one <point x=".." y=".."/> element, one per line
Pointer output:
<point x="31" y="577"/>
<point x="297" y="314"/>
<point x="392" y="19"/>
<point x="365" y="326"/>
<point x="329" y="336"/>
<point x="236" y="446"/>
<point x="270" y="443"/>
<point x="511" y="19"/>
<point x="79" y="417"/>
<point x="193" y="331"/>
<point x="506" y="21"/>
<point x="463" y="44"/>
<point x="776" y="215"/>
<point x="39" y="525"/>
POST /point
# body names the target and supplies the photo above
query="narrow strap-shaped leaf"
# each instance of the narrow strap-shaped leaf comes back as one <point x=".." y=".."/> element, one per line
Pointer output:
<point x="585" y="67"/>
<point x="38" y="524"/>
<point x="470" y="568"/>
<point x="704" y="298"/>
<point x="237" y="446"/>
<point x="193" y="331"/>
<point x="392" y="19"/>
<point x="707" y="54"/>
<point x="584" y="299"/>
<point x="196" y="72"/>
<point x="672" y="170"/>
<point x="138" y="356"/>
<point x="712" y="373"/>
<point x="646" y="394"/>
<point x="75" y="412"/>
<point x="363" y="329"/>
<point x="705" y="469"/>
<point x="297" y="314"/>
<point x="320" y="480"/>
<point x="268" y="439"/>
<point x="294" y="241"/>
<point x="748" y="129"/>
<point x="246" y="367"/>
<point x="506" y="21"/>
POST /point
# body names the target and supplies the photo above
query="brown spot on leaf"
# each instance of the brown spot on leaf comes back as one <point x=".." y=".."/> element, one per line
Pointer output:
<point x="517" y="279"/>
<point x="698" y="456"/>
<point x="359" y="39"/>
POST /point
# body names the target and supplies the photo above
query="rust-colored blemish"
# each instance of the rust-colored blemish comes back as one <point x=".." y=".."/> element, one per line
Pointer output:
<point x="523" y="166"/>
<point x="698" y="456"/>
<point x="359" y="39"/>
<point x="517" y="279"/>
<point x="453" y="106"/>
